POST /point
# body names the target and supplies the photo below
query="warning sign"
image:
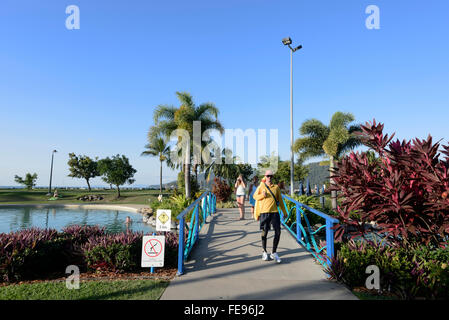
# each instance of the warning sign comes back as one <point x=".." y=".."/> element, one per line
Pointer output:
<point x="163" y="220"/>
<point x="153" y="248"/>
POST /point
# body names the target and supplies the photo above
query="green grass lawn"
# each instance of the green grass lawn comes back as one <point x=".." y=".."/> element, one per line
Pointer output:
<point x="23" y="196"/>
<point x="89" y="290"/>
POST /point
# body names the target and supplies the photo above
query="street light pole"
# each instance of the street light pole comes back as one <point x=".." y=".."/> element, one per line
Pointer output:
<point x="288" y="42"/>
<point x="292" y="160"/>
<point x="51" y="171"/>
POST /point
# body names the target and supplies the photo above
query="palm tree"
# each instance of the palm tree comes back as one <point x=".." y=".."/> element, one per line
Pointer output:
<point x="332" y="141"/>
<point x="157" y="147"/>
<point x="169" y="118"/>
<point x="223" y="167"/>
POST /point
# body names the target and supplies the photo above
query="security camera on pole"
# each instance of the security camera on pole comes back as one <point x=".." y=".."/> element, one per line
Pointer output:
<point x="288" y="42"/>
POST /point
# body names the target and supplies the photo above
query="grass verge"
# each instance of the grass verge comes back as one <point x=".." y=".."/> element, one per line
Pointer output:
<point x="22" y="196"/>
<point x="89" y="290"/>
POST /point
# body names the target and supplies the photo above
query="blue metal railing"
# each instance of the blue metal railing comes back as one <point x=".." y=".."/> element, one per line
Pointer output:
<point x="205" y="205"/>
<point x="305" y="235"/>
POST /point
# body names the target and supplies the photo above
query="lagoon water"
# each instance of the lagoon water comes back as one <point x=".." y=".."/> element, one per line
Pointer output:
<point x="16" y="219"/>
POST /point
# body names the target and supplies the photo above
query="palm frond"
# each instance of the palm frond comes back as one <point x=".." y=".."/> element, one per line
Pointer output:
<point x="340" y="119"/>
<point x="163" y="111"/>
<point x="185" y="98"/>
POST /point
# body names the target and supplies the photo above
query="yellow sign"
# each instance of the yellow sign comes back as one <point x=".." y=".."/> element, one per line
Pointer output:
<point x="163" y="220"/>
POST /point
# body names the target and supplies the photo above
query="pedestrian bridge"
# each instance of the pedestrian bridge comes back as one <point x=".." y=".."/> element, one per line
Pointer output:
<point x="226" y="263"/>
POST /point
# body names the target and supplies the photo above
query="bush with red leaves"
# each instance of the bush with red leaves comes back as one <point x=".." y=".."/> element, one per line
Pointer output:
<point x="222" y="190"/>
<point x="404" y="191"/>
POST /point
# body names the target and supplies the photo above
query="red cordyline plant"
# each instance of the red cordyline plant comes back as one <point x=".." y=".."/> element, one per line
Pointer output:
<point x="222" y="190"/>
<point x="404" y="191"/>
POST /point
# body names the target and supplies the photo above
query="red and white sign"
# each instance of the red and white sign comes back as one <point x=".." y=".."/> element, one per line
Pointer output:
<point x="153" y="250"/>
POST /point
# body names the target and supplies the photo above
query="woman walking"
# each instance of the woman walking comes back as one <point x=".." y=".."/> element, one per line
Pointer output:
<point x="252" y="188"/>
<point x="240" y="195"/>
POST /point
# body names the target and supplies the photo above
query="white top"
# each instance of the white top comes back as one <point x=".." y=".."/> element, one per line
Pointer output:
<point x="240" y="190"/>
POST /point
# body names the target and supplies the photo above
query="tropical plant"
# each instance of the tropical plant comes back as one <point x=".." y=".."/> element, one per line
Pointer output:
<point x="29" y="182"/>
<point x="116" y="171"/>
<point x="224" y="167"/>
<point x="194" y="187"/>
<point x="332" y="141"/>
<point x="406" y="271"/>
<point x="405" y="192"/>
<point x="222" y="190"/>
<point x="167" y="119"/>
<point x="157" y="147"/>
<point x="82" y="167"/>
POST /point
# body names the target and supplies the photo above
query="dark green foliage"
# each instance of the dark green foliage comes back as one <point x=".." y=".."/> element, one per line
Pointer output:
<point x="29" y="182"/>
<point x="310" y="201"/>
<point x="116" y="171"/>
<point x="194" y="187"/>
<point x="406" y="271"/>
<point x="82" y="167"/>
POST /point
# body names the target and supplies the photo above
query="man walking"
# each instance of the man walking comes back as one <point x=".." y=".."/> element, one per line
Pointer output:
<point x="268" y="197"/>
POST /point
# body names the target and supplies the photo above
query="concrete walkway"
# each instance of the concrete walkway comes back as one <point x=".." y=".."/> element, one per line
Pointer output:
<point x="226" y="263"/>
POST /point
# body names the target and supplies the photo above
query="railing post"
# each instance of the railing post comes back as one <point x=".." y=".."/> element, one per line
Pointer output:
<point x="329" y="241"/>
<point x="298" y="223"/>
<point x="197" y="222"/>
<point x="181" y="247"/>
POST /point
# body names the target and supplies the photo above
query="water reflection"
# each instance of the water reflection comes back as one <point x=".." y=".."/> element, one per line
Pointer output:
<point x="113" y="220"/>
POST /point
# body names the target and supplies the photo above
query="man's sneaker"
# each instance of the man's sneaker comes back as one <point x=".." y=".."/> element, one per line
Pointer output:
<point x="264" y="256"/>
<point x="275" y="257"/>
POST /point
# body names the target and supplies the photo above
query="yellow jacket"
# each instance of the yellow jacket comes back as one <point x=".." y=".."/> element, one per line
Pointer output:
<point x="268" y="204"/>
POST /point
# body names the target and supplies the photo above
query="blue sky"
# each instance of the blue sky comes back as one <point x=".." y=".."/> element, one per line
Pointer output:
<point x="93" y="91"/>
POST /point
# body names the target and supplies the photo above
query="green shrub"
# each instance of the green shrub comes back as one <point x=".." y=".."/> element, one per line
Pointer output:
<point x="310" y="201"/>
<point x="407" y="271"/>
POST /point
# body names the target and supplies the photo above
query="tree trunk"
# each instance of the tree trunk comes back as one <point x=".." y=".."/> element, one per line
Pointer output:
<point x="118" y="190"/>
<point x="187" y="181"/>
<point x="187" y="173"/>
<point x="333" y="192"/>
<point x="195" y="168"/>
<point x="88" y="184"/>
<point x="160" y="180"/>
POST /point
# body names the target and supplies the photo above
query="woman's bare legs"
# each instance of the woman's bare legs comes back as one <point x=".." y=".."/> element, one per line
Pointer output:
<point x="241" y="203"/>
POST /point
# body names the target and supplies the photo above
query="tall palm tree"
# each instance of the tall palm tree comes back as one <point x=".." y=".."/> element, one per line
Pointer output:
<point x="332" y="141"/>
<point x="169" y="118"/>
<point x="223" y="167"/>
<point x="157" y="147"/>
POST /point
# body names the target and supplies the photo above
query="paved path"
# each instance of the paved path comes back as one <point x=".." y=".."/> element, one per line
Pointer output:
<point x="226" y="264"/>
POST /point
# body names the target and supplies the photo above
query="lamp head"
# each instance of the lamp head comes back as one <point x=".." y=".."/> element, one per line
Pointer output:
<point x="287" y="41"/>
<point x="297" y="48"/>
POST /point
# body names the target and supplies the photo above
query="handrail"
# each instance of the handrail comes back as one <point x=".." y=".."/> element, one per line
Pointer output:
<point x="306" y="236"/>
<point x="208" y="207"/>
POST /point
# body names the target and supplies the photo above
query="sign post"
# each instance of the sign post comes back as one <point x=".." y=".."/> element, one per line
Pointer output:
<point x="153" y="251"/>
<point x="153" y="247"/>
